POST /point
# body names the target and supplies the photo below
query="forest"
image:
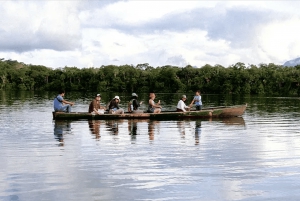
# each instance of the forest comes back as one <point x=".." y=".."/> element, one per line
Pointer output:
<point x="238" y="78"/>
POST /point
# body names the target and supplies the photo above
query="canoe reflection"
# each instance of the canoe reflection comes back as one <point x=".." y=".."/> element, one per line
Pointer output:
<point x="234" y="121"/>
<point x="61" y="127"/>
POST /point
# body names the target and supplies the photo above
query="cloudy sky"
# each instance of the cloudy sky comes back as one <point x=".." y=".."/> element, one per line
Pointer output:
<point x="94" y="33"/>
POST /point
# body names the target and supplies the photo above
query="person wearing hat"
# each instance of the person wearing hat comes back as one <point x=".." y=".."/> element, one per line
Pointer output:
<point x="95" y="105"/>
<point x="113" y="107"/>
<point x="133" y="104"/>
<point x="181" y="107"/>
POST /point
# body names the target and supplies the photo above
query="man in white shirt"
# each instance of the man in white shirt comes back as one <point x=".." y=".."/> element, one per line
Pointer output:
<point x="181" y="107"/>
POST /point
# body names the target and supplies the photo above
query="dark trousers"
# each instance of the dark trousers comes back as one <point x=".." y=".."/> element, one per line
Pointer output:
<point x="199" y="107"/>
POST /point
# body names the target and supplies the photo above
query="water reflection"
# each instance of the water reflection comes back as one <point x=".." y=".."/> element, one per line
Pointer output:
<point x="151" y="129"/>
<point x="94" y="126"/>
<point x="197" y="131"/>
<point x="61" y="127"/>
<point x="113" y="126"/>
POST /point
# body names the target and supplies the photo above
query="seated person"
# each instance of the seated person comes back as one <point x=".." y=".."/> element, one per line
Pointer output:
<point x="95" y="105"/>
<point x="113" y="107"/>
<point x="153" y="108"/>
<point x="60" y="104"/>
<point x="181" y="107"/>
<point x="133" y="105"/>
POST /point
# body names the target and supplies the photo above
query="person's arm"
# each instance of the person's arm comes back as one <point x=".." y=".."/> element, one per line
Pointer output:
<point x="181" y="106"/>
<point x="67" y="102"/>
<point x="102" y="107"/>
<point x="192" y="103"/>
<point x="186" y="107"/>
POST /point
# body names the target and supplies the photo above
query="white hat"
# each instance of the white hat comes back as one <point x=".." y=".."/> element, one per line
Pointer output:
<point x="183" y="96"/>
<point x="134" y="94"/>
<point x="117" y="97"/>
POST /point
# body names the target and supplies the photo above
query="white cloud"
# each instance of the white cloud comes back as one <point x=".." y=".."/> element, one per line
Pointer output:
<point x="95" y="33"/>
<point x="29" y="25"/>
<point x="280" y="39"/>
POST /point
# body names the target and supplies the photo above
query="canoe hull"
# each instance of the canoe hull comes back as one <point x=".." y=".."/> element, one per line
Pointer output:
<point x="219" y="112"/>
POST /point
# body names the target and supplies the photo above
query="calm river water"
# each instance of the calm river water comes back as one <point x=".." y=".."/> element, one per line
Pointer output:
<point x="254" y="157"/>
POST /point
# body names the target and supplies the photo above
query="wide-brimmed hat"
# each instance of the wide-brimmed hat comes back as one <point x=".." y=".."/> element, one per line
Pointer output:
<point x="134" y="94"/>
<point x="117" y="97"/>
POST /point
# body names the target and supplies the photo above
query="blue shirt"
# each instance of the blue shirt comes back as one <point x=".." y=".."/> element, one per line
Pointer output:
<point x="57" y="103"/>
<point x="198" y="101"/>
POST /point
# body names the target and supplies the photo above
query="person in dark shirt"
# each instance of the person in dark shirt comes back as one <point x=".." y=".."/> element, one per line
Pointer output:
<point x="133" y="105"/>
<point x="95" y="105"/>
<point x="113" y="107"/>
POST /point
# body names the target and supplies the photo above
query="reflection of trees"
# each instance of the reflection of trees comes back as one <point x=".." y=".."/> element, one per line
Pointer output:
<point x="61" y="127"/>
<point x="94" y="126"/>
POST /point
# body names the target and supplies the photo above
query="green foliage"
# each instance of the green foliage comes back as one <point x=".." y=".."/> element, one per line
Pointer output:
<point x="236" y="79"/>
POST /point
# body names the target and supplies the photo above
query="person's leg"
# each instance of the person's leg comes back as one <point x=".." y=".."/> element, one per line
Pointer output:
<point x="66" y="108"/>
<point x="157" y="110"/>
<point x="119" y="111"/>
<point x="198" y="107"/>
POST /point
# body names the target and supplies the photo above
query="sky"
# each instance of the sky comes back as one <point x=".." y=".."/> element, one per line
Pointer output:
<point x="179" y="33"/>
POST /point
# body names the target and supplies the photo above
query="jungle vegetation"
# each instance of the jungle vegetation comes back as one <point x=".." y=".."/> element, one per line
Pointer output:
<point x="268" y="79"/>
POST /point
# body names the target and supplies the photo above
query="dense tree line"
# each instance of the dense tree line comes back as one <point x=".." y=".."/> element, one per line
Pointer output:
<point x="235" y="79"/>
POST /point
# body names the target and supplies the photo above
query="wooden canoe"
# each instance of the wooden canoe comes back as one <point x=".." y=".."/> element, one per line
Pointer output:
<point x="219" y="112"/>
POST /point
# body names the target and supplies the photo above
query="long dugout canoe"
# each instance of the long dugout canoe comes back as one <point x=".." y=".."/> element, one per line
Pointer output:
<point x="219" y="112"/>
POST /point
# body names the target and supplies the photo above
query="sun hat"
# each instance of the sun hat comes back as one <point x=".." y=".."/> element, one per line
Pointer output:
<point x="183" y="96"/>
<point x="134" y="94"/>
<point x="117" y="97"/>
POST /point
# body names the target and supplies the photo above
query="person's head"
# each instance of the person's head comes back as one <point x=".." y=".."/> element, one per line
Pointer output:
<point x="61" y="92"/>
<point x="152" y="95"/>
<point x="183" y="98"/>
<point x="134" y="95"/>
<point x="198" y="92"/>
<point x="117" y="99"/>
<point x="98" y="97"/>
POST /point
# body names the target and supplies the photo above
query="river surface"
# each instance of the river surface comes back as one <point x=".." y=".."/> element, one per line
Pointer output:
<point x="253" y="157"/>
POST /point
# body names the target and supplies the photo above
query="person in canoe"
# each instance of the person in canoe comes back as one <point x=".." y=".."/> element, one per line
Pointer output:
<point x="134" y="104"/>
<point x="95" y="106"/>
<point x="153" y="108"/>
<point x="197" y="100"/>
<point x="181" y="107"/>
<point x="113" y="107"/>
<point x="60" y="104"/>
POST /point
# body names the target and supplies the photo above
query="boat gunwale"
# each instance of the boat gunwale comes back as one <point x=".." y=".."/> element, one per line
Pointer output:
<point x="204" y="113"/>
